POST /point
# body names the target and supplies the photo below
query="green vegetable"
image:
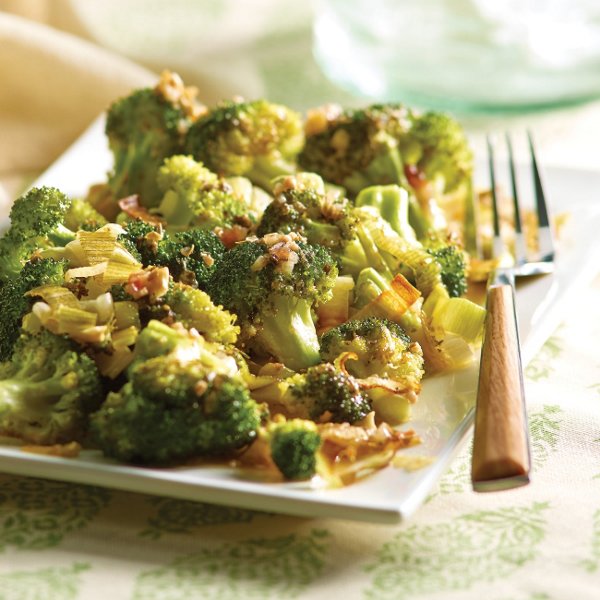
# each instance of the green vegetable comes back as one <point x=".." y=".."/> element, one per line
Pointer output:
<point x="47" y="390"/>
<point x="193" y="196"/>
<point x="258" y="140"/>
<point x="13" y="302"/>
<point x="272" y="285"/>
<point x="36" y="222"/>
<point x="173" y="408"/>
<point x="294" y="447"/>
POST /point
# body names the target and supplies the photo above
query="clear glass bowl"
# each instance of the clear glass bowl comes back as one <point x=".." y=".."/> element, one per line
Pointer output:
<point x="468" y="56"/>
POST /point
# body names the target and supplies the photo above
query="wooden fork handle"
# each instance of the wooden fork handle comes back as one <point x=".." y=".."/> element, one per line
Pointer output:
<point x="501" y="457"/>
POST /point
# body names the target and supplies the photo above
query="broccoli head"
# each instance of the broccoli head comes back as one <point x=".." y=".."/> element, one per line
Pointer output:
<point x="37" y="221"/>
<point x="272" y="284"/>
<point x="47" y="390"/>
<point x="327" y="393"/>
<point x="357" y="148"/>
<point x="82" y="215"/>
<point x="300" y="204"/>
<point x="193" y="308"/>
<point x="452" y="262"/>
<point x="172" y="409"/>
<point x="383" y="355"/>
<point x="258" y="140"/>
<point x="382" y="348"/>
<point x="194" y="196"/>
<point x="13" y="302"/>
<point x="435" y="149"/>
<point x="294" y="447"/>
<point x="190" y="255"/>
<point x="144" y="128"/>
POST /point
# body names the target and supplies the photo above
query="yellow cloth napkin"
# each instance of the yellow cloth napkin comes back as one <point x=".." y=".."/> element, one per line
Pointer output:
<point x="53" y="85"/>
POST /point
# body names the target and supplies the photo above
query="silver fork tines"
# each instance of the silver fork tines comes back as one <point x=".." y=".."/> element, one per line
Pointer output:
<point x="501" y="449"/>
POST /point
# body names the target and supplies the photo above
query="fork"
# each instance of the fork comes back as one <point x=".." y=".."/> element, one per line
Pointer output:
<point x="501" y="449"/>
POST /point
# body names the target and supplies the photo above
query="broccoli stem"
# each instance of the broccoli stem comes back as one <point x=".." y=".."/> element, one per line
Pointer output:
<point x="392" y="202"/>
<point x="370" y="285"/>
<point x="265" y="169"/>
<point x="323" y="234"/>
<point x="61" y="235"/>
<point x="353" y="259"/>
<point x="175" y="210"/>
<point x="289" y="333"/>
<point x="19" y="393"/>
<point x="386" y="167"/>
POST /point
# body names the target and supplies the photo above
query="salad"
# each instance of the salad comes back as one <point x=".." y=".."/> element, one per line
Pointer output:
<point x="249" y="284"/>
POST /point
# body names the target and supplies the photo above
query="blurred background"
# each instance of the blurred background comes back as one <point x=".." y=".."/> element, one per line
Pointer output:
<point x="528" y="65"/>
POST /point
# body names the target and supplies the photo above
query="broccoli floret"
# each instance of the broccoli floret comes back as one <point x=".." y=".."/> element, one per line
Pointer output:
<point x="362" y="148"/>
<point x="358" y="147"/>
<point x="190" y="255"/>
<point x="327" y="393"/>
<point x="144" y="128"/>
<point x="174" y="408"/>
<point x="452" y="261"/>
<point x="383" y="352"/>
<point x="322" y="393"/>
<point x="301" y="205"/>
<point x="36" y="222"/>
<point x="272" y="284"/>
<point x="13" y="302"/>
<point x="294" y="447"/>
<point x="194" y="196"/>
<point x="382" y="347"/>
<point x="193" y="308"/>
<point x="258" y="140"/>
<point x="437" y="151"/>
<point x="82" y="215"/>
<point x="47" y="390"/>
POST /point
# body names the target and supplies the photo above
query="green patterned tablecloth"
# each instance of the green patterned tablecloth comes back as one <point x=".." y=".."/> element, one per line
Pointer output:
<point x="70" y="542"/>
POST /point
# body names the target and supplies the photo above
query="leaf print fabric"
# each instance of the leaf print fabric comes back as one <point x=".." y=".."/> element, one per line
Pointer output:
<point x="182" y="516"/>
<point x="37" y="514"/>
<point x="258" y="568"/>
<point x="43" y="584"/>
<point x="454" y="555"/>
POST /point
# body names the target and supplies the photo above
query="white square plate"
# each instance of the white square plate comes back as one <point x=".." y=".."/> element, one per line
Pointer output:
<point x="442" y="417"/>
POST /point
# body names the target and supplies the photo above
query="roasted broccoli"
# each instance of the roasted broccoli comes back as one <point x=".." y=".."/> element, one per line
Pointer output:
<point x="427" y="154"/>
<point x="301" y="205"/>
<point x="174" y="408"/>
<point x="452" y="262"/>
<point x="47" y="390"/>
<point x="193" y="308"/>
<point x="82" y="215"/>
<point x="13" y="302"/>
<point x="385" y="360"/>
<point x="37" y="221"/>
<point x="144" y="128"/>
<point x="322" y="393"/>
<point x="359" y="147"/>
<point x="194" y="196"/>
<point x="258" y="140"/>
<point x="435" y="151"/>
<point x="294" y="447"/>
<point x="272" y="284"/>
<point x="382" y="349"/>
<point x="190" y="255"/>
